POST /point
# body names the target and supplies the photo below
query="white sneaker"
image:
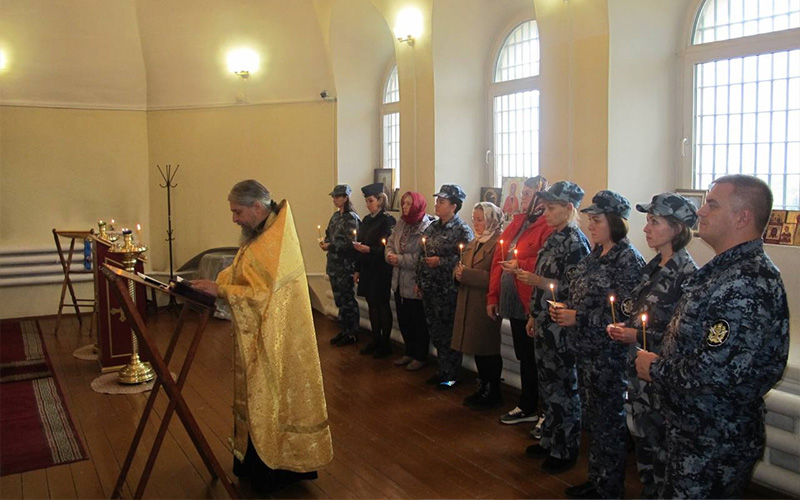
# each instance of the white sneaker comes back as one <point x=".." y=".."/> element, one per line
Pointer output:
<point x="517" y="416"/>
<point x="536" y="432"/>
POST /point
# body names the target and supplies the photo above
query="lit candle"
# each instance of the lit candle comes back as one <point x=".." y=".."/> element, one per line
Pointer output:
<point x="139" y="232"/>
<point x="515" y="253"/>
<point x="112" y="224"/>
<point x="355" y="234"/>
<point x="502" y="251"/>
<point x="319" y="231"/>
<point x="424" y="248"/>
<point x="383" y="241"/>
<point x="553" y="291"/>
<point x="461" y="253"/>
<point x="644" y="331"/>
<point x="611" y="299"/>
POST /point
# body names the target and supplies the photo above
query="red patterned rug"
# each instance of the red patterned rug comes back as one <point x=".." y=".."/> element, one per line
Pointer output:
<point x="36" y="430"/>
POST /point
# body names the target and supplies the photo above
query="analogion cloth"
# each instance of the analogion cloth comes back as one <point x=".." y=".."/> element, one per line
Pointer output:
<point x="278" y="393"/>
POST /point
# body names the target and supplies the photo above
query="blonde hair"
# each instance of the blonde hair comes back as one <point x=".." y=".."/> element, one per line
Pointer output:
<point x="382" y="199"/>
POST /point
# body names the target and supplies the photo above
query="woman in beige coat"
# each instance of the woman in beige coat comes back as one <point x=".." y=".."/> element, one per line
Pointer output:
<point x="474" y="332"/>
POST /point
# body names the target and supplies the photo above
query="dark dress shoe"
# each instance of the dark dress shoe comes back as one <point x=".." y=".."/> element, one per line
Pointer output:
<point x="537" y="451"/>
<point x="346" y="340"/>
<point x="382" y="352"/>
<point x="585" y="490"/>
<point x="339" y="336"/>
<point x="553" y="465"/>
<point x="368" y="349"/>
<point x="279" y="479"/>
<point x="435" y="379"/>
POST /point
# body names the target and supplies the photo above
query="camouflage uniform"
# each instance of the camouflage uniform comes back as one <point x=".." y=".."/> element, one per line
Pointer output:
<point x="602" y="361"/>
<point x="340" y="267"/>
<point x="726" y="345"/>
<point x="558" y="378"/>
<point x="656" y="295"/>
<point x="439" y="289"/>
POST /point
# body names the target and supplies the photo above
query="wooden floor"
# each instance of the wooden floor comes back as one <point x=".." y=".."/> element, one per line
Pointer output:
<point x="393" y="436"/>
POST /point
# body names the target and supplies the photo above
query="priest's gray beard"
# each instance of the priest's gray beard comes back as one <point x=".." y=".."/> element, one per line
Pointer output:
<point x="249" y="234"/>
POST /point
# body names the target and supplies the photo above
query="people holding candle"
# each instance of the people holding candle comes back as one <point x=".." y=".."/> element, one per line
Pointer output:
<point x="475" y="333"/>
<point x="613" y="267"/>
<point x="435" y="279"/>
<point x="373" y="274"/>
<point x="402" y="253"/>
<point x="556" y="267"/>
<point x="338" y="242"/>
<point x="670" y="218"/>
<point x="510" y="298"/>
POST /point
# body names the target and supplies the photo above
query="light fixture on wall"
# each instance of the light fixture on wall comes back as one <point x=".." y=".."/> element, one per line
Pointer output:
<point x="3" y="60"/>
<point x="408" y="25"/>
<point x="243" y="62"/>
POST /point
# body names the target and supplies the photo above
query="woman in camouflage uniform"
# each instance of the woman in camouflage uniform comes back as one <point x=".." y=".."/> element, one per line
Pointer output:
<point x="438" y="259"/>
<point x="670" y="218"/>
<point x="613" y="268"/>
<point x="338" y="242"/>
<point x="558" y="377"/>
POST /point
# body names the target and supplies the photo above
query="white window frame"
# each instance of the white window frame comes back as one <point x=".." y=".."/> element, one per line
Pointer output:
<point x="776" y="41"/>
<point x="387" y="109"/>
<point x="495" y="89"/>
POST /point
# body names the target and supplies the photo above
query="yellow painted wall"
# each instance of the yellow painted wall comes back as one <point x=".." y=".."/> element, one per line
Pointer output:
<point x="65" y="169"/>
<point x="287" y="147"/>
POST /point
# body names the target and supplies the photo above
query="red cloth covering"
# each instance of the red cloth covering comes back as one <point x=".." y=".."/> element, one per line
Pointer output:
<point x="528" y="247"/>
<point x="417" y="210"/>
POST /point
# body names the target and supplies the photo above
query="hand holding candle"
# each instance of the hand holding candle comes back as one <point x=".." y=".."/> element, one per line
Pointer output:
<point x="611" y="299"/>
<point x="644" y="331"/>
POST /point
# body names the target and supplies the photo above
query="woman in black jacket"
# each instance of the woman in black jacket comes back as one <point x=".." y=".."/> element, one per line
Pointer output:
<point x="373" y="274"/>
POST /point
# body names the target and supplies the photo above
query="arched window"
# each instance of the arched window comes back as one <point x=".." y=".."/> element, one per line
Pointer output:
<point x="742" y="81"/>
<point x="390" y="119"/>
<point x="514" y="93"/>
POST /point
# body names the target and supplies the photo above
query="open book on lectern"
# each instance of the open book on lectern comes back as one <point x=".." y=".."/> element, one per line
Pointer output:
<point x="177" y="286"/>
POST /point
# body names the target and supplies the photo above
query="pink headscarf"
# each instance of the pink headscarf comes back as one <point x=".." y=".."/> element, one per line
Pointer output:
<point x="417" y="210"/>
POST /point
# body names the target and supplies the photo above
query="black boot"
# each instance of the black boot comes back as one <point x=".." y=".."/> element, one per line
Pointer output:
<point x="384" y="348"/>
<point x="369" y="348"/>
<point x="490" y="397"/>
<point x="472" y="398"/>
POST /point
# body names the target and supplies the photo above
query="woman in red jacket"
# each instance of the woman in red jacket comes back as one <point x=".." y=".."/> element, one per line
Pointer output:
<point x="509" y="298"/>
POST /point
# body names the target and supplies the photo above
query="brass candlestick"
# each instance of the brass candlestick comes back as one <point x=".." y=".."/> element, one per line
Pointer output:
<point x="135" y="372"/>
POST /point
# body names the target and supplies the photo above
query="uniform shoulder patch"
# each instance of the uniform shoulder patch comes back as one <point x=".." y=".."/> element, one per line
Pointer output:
<point x="718" y="333"/>
<point x="572" y="273"/>
<point x="626" y="306"/>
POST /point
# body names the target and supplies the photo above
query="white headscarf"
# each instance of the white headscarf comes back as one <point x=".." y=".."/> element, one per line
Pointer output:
<point x="493" y="217"/>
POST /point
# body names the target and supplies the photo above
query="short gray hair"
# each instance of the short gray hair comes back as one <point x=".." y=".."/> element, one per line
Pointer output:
<point x="250" y="191"/>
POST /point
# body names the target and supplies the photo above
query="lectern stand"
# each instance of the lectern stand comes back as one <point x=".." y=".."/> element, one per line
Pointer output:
<point x="117" y="282"/>
<point x="66" y="264"/>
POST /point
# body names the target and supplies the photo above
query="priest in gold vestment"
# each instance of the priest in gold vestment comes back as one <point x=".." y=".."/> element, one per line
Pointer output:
<point x="281" y="431"/>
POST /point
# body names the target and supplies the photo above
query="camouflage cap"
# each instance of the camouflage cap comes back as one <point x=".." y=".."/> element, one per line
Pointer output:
<point x="341" y="190"/>
<point x="563" y="191"/>
<point x="452" y="191"/>
<point x="609" y="202"/>
<point x="671" y="204"/>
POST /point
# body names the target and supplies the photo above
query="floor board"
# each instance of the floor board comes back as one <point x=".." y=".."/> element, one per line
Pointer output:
<point x="393" y="435"/>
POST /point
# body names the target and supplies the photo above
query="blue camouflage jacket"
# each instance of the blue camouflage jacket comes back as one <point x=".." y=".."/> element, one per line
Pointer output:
<point x="339" y="233"/>
<point x="727" y="343"/>
<point x="442" y="240"/>
<point x="596" y="278"/>
<point x="556" y="263"/>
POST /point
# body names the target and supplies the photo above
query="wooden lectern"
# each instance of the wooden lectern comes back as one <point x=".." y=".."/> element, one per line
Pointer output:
<point x="114" y="332"/>
<point x="116" y="280"/>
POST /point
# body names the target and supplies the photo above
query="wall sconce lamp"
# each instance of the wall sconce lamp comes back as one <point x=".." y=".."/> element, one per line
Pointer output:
<point x="408" y="25"/>
<point x="242" y="62"/>
<point x="3" y="60"/>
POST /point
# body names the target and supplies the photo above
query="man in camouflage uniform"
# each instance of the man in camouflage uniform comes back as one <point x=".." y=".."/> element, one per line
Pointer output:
<point x="338" y="241"/>
<point x="556" y="264"/>
<point x="656" y="295"/>
<point x="726" y="346"/>
<point x="440" y="255"/>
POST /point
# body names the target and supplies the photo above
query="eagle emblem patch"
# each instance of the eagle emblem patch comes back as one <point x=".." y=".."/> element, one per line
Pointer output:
<point x="572" y="273"/>
<point x="718" y="333"/>
<point x="626" y="306"/>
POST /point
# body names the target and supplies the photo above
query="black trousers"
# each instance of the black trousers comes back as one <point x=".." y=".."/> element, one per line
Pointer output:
<point x="413" y="326"/>
<point x="526" y="354"/>
<point x="490" y="368"/>
<point x="380" y="318"/>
